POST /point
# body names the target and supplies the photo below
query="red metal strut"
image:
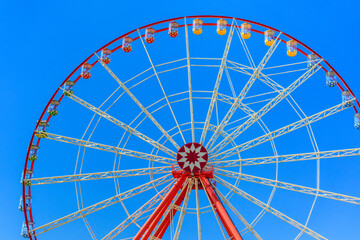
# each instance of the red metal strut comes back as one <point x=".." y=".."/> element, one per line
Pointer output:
<point x="153" y="220"/>
<point x="169" y="217"/>
<point x="220" y="210"/>
<point x="158" y="213"/>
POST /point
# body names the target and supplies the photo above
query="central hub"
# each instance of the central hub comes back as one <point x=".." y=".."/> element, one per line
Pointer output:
<point x="192" y="157"/>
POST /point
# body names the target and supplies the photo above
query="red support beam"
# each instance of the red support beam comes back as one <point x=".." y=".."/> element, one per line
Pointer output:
<point x="220" y="210"/>
<point x="169" y="217"/>
<point x="153" y="220"/>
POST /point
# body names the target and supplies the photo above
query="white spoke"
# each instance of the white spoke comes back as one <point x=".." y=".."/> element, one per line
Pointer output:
<point x="121" y="124"/>
<point x="288" y="158"/>
<point x="242" y="219"/>
<point x="138" y="103"/>
<point x="217" y="83"/>
<point x="243" y="44"/>
<point x="243" y="92"/>
<point x="183" y="210"/>
<point x="108" y="148"/>
<point x="98" y="175"/>
<point x="189" y="80"/>
<point x="133" y="218"/>
<point x="289" y="186"/>
<point x="162" y="88"/>
<point x="270" y="105"/>
<point x="281" y="131"/>
<point x="101" y="205"/>
<point x="269" y="209"/>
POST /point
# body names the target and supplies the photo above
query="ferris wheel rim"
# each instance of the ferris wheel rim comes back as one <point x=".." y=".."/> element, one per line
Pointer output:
<point x="145" y="26"/>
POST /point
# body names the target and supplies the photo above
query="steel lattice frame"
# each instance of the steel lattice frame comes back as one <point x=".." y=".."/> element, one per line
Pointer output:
<point x="164" y="148"/>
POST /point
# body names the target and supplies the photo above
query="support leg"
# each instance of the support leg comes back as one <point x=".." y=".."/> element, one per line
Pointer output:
<point x="220" y="210"/>
<point x="153" y="220"/>
<point x="169" y="217"/>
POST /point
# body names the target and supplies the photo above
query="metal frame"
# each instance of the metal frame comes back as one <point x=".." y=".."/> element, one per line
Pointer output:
<point x="219" y="159"/>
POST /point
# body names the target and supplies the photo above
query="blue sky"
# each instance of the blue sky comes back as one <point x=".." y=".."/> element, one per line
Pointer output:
<point x="45" y="40"/>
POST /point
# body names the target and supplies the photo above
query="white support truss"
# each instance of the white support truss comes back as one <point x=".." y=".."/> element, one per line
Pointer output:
<point x="270" y="105"/>
<point x="288" y="158"/>
<point x="217" y="84"/>
<point x="243" y="92"/>
<point x="189" y="82"/>
<point x="107" y="148"/>
<point x="133" y="218"/>
<point x="121" y="124"/>
<point x="290" y="186"/>
<point x="138" y="103"/>
<point x="161" y="86"/>
<point x="269" y="209"/>
<point x="98" y="175"/>
<point x="101" y="205"/>
<point x="281" y="131"/>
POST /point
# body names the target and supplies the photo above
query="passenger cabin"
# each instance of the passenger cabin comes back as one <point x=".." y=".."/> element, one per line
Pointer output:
<point x="86" y="70"/>
<point x="33" y="152"/>
<point x="127" y="44"/>
<point x="330" y="79"/>
<point x="346" y="96"/>
<point x="245" y="30"/>
<point x="53" y="108"/>
<point x="269" y="36"/>
<point x="197" y="26"/>
<point x="24" y="231"/>
<point x="27" y="203"/>
<point x="357" y="121"/>
<point x="150" y="35"/>
<point x="173" y="29"/>
<point x="291" y="46"/>
<point x="27" y="179"/>
<point x="69" y="87"/>
<point x="42" y="129"/>
<point x="105" y="55"/>
<point x="221" y="27"/>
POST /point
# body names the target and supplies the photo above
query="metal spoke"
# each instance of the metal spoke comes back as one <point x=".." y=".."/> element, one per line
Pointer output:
<point x="243" y="44"/>
<point x="217" y="83"/>
<point x="98" y="175"/>
<point x="138" y="103"/>
<point x="288" y="158"/>
<point x="121" y="124"/>
<point x="189" y="80"/>
<point x="108" y="148"/>
<point x="289" y="186"/>
<point x="242" y="219"/>
<point x="270" y="105"/>
<point x="183" y="210"/>
<point x="284" y="130"/>
<point x="269" y="209"/>
<point x="162" y="88"/>
<point x="147" y="207"/>
<point x="243" y="92"/>
<point x="101" y="205"/>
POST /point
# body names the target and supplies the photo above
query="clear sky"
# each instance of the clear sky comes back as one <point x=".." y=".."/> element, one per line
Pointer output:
<point x="43" y="41"/>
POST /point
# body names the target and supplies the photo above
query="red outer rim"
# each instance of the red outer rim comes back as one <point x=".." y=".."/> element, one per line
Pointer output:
<point x="30" y="217"/>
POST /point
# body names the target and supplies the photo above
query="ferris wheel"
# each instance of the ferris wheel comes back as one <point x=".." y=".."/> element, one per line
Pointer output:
<point x="198" y="127"/>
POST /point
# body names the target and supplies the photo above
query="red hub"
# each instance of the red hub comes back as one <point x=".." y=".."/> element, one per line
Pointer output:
<point x="192" y="157"/>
